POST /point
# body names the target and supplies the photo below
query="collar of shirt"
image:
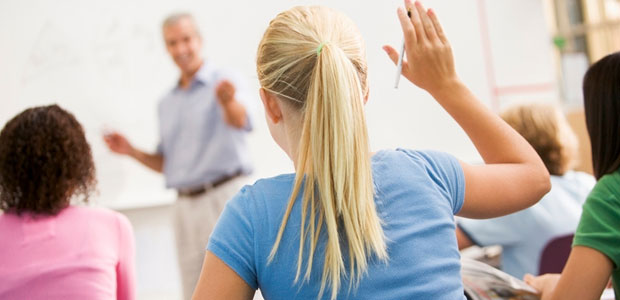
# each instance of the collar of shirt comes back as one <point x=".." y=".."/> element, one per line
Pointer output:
<point x="203" y="76"/>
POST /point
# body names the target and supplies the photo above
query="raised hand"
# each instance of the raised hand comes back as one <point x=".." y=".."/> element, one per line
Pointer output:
<point x="429" y="61"/>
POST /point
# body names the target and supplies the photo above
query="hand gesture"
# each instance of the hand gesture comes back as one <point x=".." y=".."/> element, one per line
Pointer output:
<point x="117" y="143"/>
<point x="225" y="91"/>
<point x="429" y="63"/>
<point x="545" y="284"/>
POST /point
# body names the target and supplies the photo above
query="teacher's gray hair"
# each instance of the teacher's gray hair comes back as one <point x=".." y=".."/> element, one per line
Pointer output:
<point x="176" y="17"/>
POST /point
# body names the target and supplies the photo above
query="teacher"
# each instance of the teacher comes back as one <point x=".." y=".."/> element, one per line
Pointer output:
<point x="203" y="123"/>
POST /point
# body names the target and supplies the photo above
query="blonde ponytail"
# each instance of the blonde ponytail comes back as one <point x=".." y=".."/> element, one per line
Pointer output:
<point x="312" y="58"/>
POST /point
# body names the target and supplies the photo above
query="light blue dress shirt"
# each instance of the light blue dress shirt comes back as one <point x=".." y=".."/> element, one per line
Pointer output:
<point x="417" y="194"/>
<point x="198" y="146"/>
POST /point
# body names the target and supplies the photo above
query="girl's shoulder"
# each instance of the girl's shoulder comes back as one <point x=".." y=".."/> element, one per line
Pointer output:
<point x="265" y="193"/>
<point x="608" y="185"/>
<point x="427" y="161"/>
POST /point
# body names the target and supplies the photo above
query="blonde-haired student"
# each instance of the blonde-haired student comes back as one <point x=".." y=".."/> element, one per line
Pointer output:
<point x="556" y="214"/>
<point x="350" y="223"/>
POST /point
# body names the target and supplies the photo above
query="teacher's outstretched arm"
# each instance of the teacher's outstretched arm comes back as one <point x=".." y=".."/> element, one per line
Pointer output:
<point x="117" y="143"/>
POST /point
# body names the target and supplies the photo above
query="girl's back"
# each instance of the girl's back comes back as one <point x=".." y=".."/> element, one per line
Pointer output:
<point x="417" y="194"/>
<point x="81" y="253"/>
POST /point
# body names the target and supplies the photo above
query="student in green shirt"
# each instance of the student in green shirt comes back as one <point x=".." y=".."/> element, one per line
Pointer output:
<point x="596" y="248"/>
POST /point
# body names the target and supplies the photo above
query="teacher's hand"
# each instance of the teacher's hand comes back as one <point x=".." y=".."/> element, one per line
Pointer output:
<point x="118" y="143"/>
<point x="225" y="92"/>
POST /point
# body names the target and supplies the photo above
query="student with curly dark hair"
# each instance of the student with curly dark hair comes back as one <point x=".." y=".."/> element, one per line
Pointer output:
<point x="50" y="248"/>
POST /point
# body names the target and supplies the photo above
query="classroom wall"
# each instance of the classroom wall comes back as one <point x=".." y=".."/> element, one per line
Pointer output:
<point x="577" y="120"/>
<point x="105" y="61"/>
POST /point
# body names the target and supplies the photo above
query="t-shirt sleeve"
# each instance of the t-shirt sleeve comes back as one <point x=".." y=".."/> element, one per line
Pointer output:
<point x="125" y="268"/>
<point x="599" y="227"/>
<point x="232" y="240"/>
<point x="446" y="172"/>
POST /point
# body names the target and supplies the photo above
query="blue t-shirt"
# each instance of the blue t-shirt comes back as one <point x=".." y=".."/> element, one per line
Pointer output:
<point x="416" y="195"/>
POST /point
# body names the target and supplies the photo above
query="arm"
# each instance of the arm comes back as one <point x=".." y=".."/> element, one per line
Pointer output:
<point x="462" y="239"/>
<point x="125" y="268"/>
<point x="218" y="281"/>
<point x="594" y="254"/>
<point x="513" y="176"/>
<point x="511" y="163"/>
<point x="153" y="161"/>
<point x="584" y="277"/>
<point x="234" y="112"/>
<point x="119" y="144"/>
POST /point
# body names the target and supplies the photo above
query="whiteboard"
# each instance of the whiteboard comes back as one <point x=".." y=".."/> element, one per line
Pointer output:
<point x="105" y="62"/>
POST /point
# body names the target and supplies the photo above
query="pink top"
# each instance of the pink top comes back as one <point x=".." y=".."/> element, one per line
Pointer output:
<point x="81" y="253"/>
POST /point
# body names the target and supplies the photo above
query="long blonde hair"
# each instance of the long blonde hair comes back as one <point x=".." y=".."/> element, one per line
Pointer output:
<point x="313" y="59"/>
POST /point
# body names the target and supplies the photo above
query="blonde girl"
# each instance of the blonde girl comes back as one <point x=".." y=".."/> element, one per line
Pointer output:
<point x="350" y="223"/>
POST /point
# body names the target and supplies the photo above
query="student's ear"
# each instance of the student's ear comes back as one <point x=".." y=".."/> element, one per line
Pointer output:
<point x="366" y="96"/>
<point x="272" y="106"/>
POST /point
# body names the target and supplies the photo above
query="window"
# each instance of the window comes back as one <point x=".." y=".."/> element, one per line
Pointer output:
<point x="583" y="31"/>
<point x="586" y="26"/>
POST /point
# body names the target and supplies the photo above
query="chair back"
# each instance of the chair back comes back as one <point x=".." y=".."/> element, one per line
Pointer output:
<point x="555" y="254"/>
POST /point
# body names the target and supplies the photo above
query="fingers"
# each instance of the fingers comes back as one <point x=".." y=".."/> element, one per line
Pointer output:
<point x="407" y="26"/>
<point x="415" y="20"/>
<point x="114" y="137"/>
<point x="225" y="91"/>
<point x="437" y="25"/>
<point x="107" y="141"/>
<point x="528" y="278"/>
<point x="427" y="26"/>
<point x="392" y="53"/>
<point x="111" y="141"/>
<point x="421" y="23"/>
<point x="225" y="86"/>
<point x="536" y="282"/>
<point x="220" y="85"/>
<point x="394" y="56"/>
<point x="225" y="83"/>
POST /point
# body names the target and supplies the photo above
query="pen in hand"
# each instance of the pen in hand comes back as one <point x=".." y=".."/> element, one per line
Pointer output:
<point x="399" y="66"/>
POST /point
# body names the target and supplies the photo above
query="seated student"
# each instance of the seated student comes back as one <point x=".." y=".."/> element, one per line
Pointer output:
<point x="596" y="247"/>
<point x="557" y="214"/>
<point x="351" y="223"/>
<point x="51" y="249"/>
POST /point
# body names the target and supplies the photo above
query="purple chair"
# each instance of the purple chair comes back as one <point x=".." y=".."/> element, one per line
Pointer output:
<point x="555" y="254"/>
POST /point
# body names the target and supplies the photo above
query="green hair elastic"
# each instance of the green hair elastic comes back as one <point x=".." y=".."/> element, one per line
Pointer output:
<point x="318" y="50"/>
